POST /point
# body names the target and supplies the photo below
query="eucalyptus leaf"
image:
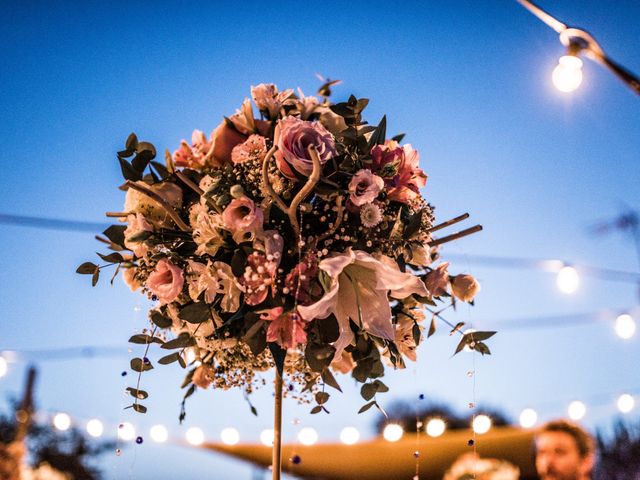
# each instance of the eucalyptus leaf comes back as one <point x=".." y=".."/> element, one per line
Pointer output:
<point x="182" y="341"/>
<point x="87" y="268"/>
<point x="329" y="379"/>
<point x="159" y="319"/>
<point x="139" y="365"/>
<point x="95" y="277"/>
<point x="139" y="408"/>
<point x="322" y="397"/>
<point x="366" y="407"/>
<point x="195" y="313"/>
<point x="167" y="359"/>
<point x="135" y="393"/>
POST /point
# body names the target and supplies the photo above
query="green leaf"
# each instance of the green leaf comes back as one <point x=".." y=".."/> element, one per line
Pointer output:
<point x="254" y="410"/>
<point x="316" y="409"/>
<point x="256" y="337"/>
<point x="182" y="341"/>
<point x="115" y="233"/>
<point x="398" y="138"/>
<point x="279" y="355"/>
<point x="128" y="171"/>
<point x="415" y="331"/>
<point x="167" y="359"/>
<point x="480" y="336"/>
<point x="329" y="379"/>
<point x="195" y="313"/>
<point x="135" y="393"/>
<point x="139" y="408"/>
<point x="95" y="278"/>
<point x="366" y="407"/>
<point x="111" y="258"/>
<point x="329" y="328"/>
<point x="432" y="327"/>
<point x="380" y="386"/>
<point x="482" y="348"/>
<point x="379" y="134"/>
<point x="368" y="391"/>
<point x="319" y="356"/>
<point x="87" y="268"/>
<point x="238" y="262"/>
<point x="142" y="339"/>
<point x="322" y="397"/>
<point x="159" y="319"/>
<point x="139" y="365"/>
<point x="413" y="225"/>
<point x="132" y="142"/>
<point x="161" y="169"/>
<point x="464" y="341"/>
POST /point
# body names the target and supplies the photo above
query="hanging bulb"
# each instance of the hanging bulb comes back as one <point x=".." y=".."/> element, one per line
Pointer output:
<point x="568" y="280"/>
<point x="567" y="76"/>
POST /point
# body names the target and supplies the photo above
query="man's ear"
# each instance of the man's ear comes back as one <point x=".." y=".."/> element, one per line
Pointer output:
<point x="588" y="463"/>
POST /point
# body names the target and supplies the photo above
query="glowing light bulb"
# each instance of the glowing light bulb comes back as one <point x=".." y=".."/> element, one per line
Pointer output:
<point x="436" y="427"/>
<point x="481" y="424"/>
<point x="528" y="418"/>
<point x="62" y="421"/>
<point x="625" y="403"/>
<point x="393" y="432"/>
<point x="266" y="437"/>
<point x="567" y="76"/>
<point x="568" y="280"/>
<point x="159" y="433"/>
<point x="307" y="436"/>
<point x="3" y="367"/>
<point x="625" y="326"/>
<point x="577" y="410"/>
<point x="126" y="432"/>
<point x="95" y="428"/>
<point x="349" y="435"/>
<point x="195" y="436"/>
<point x="230" y="436"/>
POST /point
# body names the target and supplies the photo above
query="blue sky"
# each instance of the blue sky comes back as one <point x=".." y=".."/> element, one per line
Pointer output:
<point x="468" y="83"/>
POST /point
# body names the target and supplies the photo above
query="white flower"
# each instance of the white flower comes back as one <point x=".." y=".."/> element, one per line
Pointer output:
<point x="370" y="215"/>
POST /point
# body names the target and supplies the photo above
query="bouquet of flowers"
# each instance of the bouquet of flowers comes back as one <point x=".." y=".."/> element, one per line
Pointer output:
<point x="297" y="238"/>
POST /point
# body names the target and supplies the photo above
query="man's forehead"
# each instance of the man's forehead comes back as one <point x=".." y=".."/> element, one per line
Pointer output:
<point x="555" y="440"/>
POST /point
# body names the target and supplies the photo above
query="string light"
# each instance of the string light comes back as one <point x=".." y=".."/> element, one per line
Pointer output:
<point x="195" y="436"/>
<point x="307" y="436"/>
<point x="567" y="76"/>
<point x="528" y="418"/>
<point x="159" y="433"/>
<point x="577" y="410"/>
<point x="625" y="326"/>
<point x="3" y="367"/>
<point x="126" y="432"/>
<point x="349" y="435"/>
<point x="62" y="421"/>
<point x="436" y="427"/>
<point x="481" y="424"/>
<point x="392" y="432"/>
<point x="230" y="436"/>
<point x="625" y="403"/>
<point x="266" y="437"/>
<point x="95" y="428"/>
<point x="568" y="280"/>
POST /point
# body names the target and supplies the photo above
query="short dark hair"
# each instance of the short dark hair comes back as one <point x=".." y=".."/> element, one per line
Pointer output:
<point x="584" y="441"/>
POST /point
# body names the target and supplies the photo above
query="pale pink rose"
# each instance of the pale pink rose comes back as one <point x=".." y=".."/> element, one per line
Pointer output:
<point x="400" y="169"/>
<point x="243" y="219"/>
<point x="224" y="138"/>
<point x="360" y="288"/>
<point x="464" y="287"/>
<point x="364" y="187"/>
<point x="286" y="329"/>
<point x="293" y="138"/>
<point x="253" y="148"/>
<point x="268" y="99"/>
<point x="138" y="202"/>
<point x="129" y="277"/>
<point x="133" y="234"/>
<point x="166" y="281"/>
<point x="258" y="278"/>
<point x="437" y="280"/>
<point x="203" y="376"/>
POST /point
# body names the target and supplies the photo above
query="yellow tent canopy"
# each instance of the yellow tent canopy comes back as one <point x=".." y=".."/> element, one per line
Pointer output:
<point x="379" y="459"/>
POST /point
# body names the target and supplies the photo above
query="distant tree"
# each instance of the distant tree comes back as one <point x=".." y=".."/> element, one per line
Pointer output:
<point x="619" y="455"/>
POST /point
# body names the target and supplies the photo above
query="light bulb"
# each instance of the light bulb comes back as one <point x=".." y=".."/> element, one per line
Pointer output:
<point x="195" y="436"/>
<point x="625" y="403"/>
<point x="95" y="428"/>
<point x="3" y="367"/>
<point x="62" y="421"/>
<point x="528" y="418"/>
<point x="349" y="435"/>
<point x="393" y="432"/>
<point x="126" y="432"/>
<point x="307" y="436"/>
<point x="568" y="280"/>
<point x="159" y="433"/>
<point x="230" y="436"/>
<point x="576" y="410"/>
<point x="567" y="76"/>
<point x="436" y="427"/>
<point x="481" y="424"/>
<point x="625" y="326"/>
<point x="266" y="437"/>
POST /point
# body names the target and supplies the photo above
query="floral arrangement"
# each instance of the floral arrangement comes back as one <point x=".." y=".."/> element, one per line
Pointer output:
<point x="471" y="467"/>
<point x="297" y="239"/>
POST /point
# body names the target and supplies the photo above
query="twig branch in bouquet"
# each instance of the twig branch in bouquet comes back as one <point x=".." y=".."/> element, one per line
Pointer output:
<point x="448" y="223"/>
<point x="455" y="236"/>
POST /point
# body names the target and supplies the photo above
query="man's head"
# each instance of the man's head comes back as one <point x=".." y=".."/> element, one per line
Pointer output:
<point x="564" y="451"/>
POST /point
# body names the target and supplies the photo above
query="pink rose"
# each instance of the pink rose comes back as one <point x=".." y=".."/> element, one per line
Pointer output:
<point x="364" y="187"/>
<point x="287" y="329"/>
<point x="437" y="280"/>
<point x="465" y="287"/>
<point x="253" y="148"/>
<point x="243" y="219"/>
<point x="166" y="281"/>
<point x="293" y="138"/>
<point x="400" y="168"/>
<point x="203" y="376"/>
